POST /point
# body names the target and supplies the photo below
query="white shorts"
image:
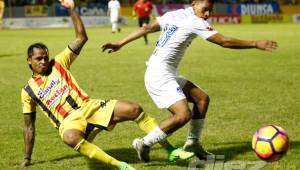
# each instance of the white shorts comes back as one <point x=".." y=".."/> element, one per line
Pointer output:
<point x="165" y="88"/>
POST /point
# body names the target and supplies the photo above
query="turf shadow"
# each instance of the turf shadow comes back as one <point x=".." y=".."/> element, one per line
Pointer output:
<point x="8" y="55"/>
<point x="58" y="159"/>
<point x="129" y="155"/>
<point x="231" y="149"/>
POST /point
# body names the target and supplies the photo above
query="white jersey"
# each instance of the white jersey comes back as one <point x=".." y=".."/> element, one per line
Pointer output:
<point x="178" y="29"/>
<point x="114" y="7"/>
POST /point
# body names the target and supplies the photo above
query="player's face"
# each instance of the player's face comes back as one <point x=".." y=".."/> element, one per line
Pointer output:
<point x="39" y="61"/>
<point x="202" y="8"/>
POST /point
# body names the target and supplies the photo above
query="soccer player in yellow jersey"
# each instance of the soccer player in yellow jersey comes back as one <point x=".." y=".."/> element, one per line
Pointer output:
<point x="77" y="117"/>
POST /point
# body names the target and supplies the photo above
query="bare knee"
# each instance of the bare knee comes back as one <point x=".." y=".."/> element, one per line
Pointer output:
<point x="204" y="102"/>
<point x="72" y="137"/>
<point x="135" y="110"/>
<point x="182" y="118"/>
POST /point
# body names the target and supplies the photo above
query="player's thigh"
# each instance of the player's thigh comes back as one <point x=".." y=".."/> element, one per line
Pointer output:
<point x="125" y="110"/>
<point x="180" y="107"/>
<point x="71" y="125"/>
<point x="193" y="93"/>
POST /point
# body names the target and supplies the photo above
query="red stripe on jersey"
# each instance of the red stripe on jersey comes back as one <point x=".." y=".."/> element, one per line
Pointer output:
<point x="38" y="80"/>
<point x="61" y="111"/>
<point x="68" y="79"/>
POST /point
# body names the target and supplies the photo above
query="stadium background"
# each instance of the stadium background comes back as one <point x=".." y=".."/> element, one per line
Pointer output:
<point x="94" y="12"/>
<point x="248" y="88"/>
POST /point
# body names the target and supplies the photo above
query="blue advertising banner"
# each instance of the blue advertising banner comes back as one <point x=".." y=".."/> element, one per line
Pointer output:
<point x="97" y="9"/>
<point x="253" y="9"/>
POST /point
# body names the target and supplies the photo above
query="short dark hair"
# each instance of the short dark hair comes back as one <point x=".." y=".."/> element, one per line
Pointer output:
<point x="35" y="45"/>
<point x="31" y="47"/>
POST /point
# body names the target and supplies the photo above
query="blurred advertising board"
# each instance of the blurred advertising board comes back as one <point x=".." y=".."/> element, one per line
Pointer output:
<point x="296" y="18"/>
<point x="90" y="10"/>
<point x="225" y="19"/>
<point x="253" y="9"/>
<point x="36" y="10"/>
<point x="277" y="18"/>
<point x="56" y="22"/>
<point x="161" y="9"/>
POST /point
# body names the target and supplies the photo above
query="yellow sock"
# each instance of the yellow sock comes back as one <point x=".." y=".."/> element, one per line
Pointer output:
<point x="94" y="152"/>
<point x="147" y="124"/>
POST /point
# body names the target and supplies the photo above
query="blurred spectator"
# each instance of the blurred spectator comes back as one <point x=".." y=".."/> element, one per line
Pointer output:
<point x="143" y="10"/>
<point x="113" y="12"/>
<point x="2" y="6"/>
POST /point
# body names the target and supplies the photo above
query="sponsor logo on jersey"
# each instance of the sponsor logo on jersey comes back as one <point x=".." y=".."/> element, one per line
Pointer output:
<point x="56" y="95"/>
<point x="44" y="92"/>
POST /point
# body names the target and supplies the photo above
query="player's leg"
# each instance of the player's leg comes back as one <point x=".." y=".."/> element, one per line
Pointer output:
<point x="166" y="93"/>
<point x="146" y="21"/>
<point x="200" y="100"/>
<point x="181" y="115"/>
<point x="119" y="24"/>
<point x="125" y="110"/>
<point x="113" y="27"/>
<point x="75" y="139"/>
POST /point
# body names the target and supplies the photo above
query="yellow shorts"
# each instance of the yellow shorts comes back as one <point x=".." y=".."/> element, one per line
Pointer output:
<point x="92" y="116"/>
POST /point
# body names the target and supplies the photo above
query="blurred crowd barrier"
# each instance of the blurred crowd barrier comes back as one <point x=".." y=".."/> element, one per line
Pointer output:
<point x="95" y="13"/>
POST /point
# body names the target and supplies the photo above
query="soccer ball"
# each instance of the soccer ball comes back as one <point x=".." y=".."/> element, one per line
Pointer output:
<point x="270" y="143"/>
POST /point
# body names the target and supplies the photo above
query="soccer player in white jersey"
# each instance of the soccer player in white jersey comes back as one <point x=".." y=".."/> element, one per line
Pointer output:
<point x="113" y="11"/>
<point x="171" y="91"/>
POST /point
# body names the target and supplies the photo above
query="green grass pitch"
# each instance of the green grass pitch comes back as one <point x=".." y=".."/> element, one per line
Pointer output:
<point x="248" y="89"/>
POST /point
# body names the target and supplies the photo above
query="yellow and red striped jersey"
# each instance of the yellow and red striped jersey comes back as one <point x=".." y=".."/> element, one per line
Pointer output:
<point x="57" y="93"/>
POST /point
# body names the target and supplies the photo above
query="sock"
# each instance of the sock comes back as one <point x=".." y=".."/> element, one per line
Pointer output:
<point x="114" y="26"/>
<point x="94" y="152"/>
<point x="148" y="124"/>
<point x="194" y="132"/>
<point x="154" y="137"/>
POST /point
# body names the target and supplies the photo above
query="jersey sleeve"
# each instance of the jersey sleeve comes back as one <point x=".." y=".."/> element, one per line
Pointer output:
<point x="161" y="20"/>
<point x="28" y="104"/>
<point x="203" y="29"/>
<point x="66" y="57"/>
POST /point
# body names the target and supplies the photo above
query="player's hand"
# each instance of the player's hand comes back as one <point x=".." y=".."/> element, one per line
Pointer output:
<point x="69" y="4"/>
<point x="25" y="162"/>
<point x="111" y="47"/>
<point x="267" y="45"/>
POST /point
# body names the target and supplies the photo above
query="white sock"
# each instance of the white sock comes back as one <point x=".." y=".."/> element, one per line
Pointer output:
<point x="114" y="26"/>
<point x="194" y="132"/>
<point x="154" y="137"/>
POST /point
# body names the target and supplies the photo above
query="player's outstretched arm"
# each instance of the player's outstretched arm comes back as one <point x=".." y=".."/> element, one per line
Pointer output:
<point x="81" y="36"/>
<point x="150" y="28"/>
<point x="228" y="42"/>
<point x="29" y="135"/>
